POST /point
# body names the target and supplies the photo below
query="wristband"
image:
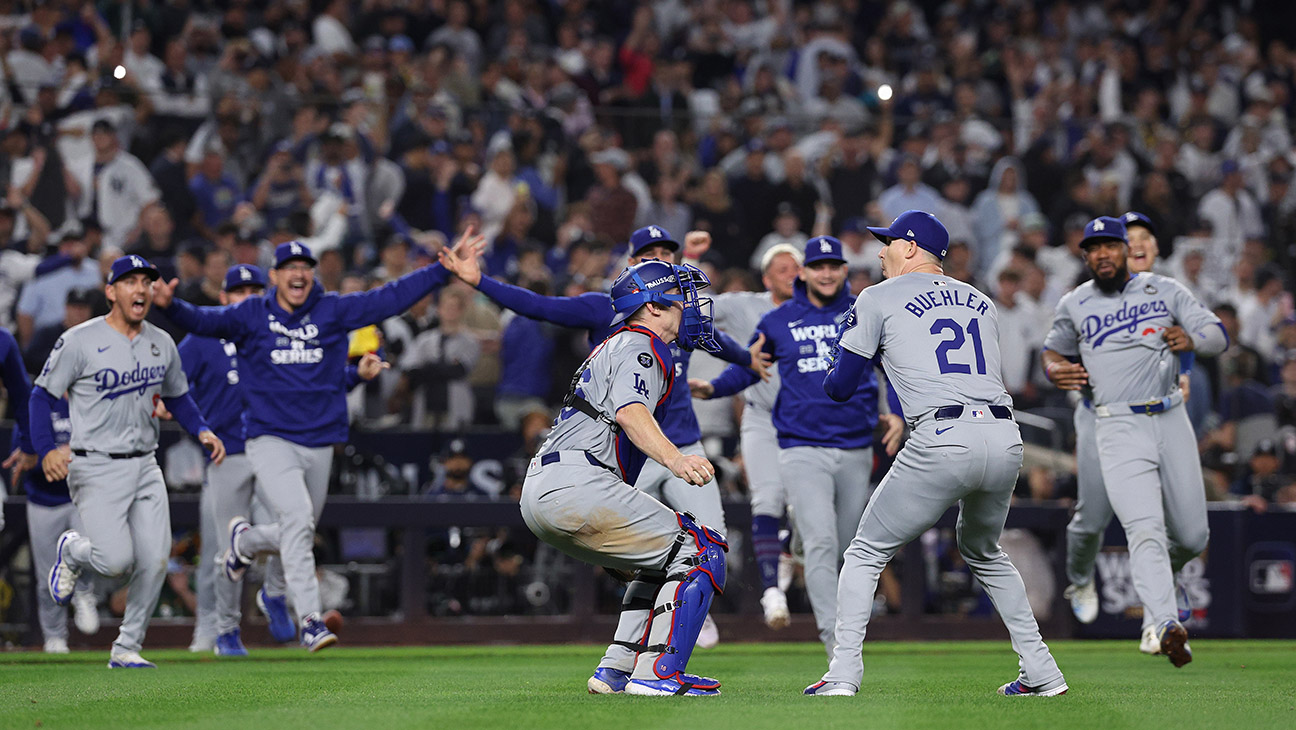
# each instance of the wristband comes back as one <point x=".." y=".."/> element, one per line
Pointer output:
<point x="1048" y="371"/>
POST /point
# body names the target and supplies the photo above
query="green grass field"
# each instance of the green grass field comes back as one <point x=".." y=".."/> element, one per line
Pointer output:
<point x="1239" y="685"/>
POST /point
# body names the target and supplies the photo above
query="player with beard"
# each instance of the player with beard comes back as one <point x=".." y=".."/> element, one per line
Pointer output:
<point x="1118" y="338"/>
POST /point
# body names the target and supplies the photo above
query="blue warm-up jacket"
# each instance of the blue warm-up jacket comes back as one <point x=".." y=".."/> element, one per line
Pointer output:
<point x="292" y="365"/>
<point x="593" y="311"/>
<point x="799" y="335"/>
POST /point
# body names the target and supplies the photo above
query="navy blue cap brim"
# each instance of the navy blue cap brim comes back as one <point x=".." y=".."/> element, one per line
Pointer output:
<point x="301" y="257"/>
<point x="1087" y="242"/>
<point x="152" y="273"/>
<point x="883" y="234"/>
<point x="825" y="257"/>
<point x="672" y="244"/>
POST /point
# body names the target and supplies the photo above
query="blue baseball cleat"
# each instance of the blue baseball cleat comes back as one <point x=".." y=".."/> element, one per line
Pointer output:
<point x="230" y="644"/>
<point x="315" y="635"/>
<point x="233" y="562"/>
<point x="1183" y="603"/>
<point x="1015" y="688"/>
<point x="1174" y="642"/>
<point x="678" y="685"/>
<point x="63" y="577"/>
<point x="275" y="609"/>
<point x="830" y="689"/>
<point x="607" y="681"/>
<point x="129" y="660"/>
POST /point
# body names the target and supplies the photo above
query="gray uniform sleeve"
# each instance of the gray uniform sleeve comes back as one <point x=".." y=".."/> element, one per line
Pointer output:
<point x="863" y="331"/>
<point x="637" y="377"/>
<point x="1063" y="337"/>
<point x="174" y="383"/>
<point x="65" y="364"/>
<point x="1199" y="322"/>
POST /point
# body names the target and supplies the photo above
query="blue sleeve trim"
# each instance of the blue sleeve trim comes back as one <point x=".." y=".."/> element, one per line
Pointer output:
<point x="41" y="429"/>
<point x="187" y="414"/>
<point x="843" y="379"/>
<point x="353" y="377"/>
<point x="588" y="311"/>
<point x="734" y="379"/>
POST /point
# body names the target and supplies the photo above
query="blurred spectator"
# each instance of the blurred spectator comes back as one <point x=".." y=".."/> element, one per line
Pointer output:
<point x="1263" y="480"/>
<point x="436" y="366"/>
<point x="205" y="291"/>
<point x="611" y="204"/>
<point x="43" y="299"/>
<point x="453" y="477"/>
<point x="1234" y="216"/>
<point x="1263" y="310"/>
<point x="998" y="211"/>
<point x="1020" y="336"/>
<point x="122" y="186"/>
<point x="214" y="191"/>
<point x="909" y="192"/>
<point x="786" y="232"/>
<point x="78" y="309"/>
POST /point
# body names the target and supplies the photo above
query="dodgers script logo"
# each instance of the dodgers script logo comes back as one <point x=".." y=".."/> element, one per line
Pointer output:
<point x="1096" y="329"/>
<point x="114" y="384"/>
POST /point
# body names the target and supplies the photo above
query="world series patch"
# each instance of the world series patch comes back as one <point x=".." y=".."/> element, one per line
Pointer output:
<point x="645" y="359"/>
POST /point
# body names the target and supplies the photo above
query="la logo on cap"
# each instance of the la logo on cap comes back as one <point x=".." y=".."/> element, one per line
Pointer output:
<point x="135" y="261"/>
<point x="654" y="231"/>
<point x="825" y="247"/>
<point x="1131" y="217"/>
<point x="1098" y="225"/>
<point x="296" y="249"/>
<point x="244" y="274"/>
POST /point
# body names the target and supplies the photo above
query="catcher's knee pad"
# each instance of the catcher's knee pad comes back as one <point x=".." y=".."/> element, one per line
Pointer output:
<point x="698" y="548"/>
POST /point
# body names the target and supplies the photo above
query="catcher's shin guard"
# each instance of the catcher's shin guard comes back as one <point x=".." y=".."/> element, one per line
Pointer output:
<point x="695" y="572"/>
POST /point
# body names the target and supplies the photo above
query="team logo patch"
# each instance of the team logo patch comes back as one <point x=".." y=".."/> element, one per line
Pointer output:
<point x="58" y="343"/>
<point x="154" y="349"/>
<point x="1149" y="289"/>
<point x="645" y="359"/>
<point x="977" y="413"/>
<point x="1098" y="225"/>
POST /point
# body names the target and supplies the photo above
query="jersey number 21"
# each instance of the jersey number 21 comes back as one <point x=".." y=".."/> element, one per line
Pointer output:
<point x="956" y="343"/>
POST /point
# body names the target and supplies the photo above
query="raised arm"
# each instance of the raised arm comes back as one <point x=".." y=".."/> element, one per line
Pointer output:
<point x="371" y="307"/>
<point x="209" y="321"/>
<point x="589" y="311"/>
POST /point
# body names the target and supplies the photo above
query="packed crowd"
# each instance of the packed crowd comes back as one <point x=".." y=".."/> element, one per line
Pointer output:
<point x="201" y="134"/>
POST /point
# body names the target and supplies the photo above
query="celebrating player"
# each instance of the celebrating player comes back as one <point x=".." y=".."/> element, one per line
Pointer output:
<point x="114" y="369"/>
<point x="939" y="343"/>
<point x="211" y="364"/>
<point x="574" y="499"/>
<point x="293" y="346"/>
<point x="595" y="311"/>
<point x="1092" y="509"/>
<point x="1128" y="330"/>
<point x="738" y="314"/>
<point x="825" y="452"/>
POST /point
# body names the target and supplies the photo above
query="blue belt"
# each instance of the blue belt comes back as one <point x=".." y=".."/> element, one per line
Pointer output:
<point x="130" y="455"/>
<point x="555" y="456"/>
<point x="945" y="413"/>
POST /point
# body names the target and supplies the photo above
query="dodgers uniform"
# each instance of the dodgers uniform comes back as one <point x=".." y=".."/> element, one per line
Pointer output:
<point x="291" y="366"/>
<point x="1144" y="441"/>
<point x="14" y="377"/>
<point x="825" y="452"/>
<point x="938" y="340"/>
<point x="113" y="383"/>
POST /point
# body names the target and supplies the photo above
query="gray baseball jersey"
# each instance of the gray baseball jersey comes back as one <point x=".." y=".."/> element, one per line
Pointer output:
<point x="621" y="371"/>
<point x="113" y="383"/>
<point x="1118" y="336"/>
<point x="737" y="313"/>
<point x="939" y="341"/>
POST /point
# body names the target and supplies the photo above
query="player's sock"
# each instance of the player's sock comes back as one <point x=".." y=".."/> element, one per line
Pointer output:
<point x="765" y="543"/>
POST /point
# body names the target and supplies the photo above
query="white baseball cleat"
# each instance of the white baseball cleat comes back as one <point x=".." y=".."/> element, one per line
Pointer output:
<point x="1015" y="688"/>
<point x="1084" y="601"/>
<point x="63" y="577"/>
<point x="85" y="612"/>
<point x="202" y="644"/>
<point x="709" y="636"/>
<point x="1149" y="644"/>
<point x="129" y="660"/>
<point x="824" y="688"/>
<point x="233" y="562"/>
<point x="56" y="646"/>
<point x="774" y="602"/>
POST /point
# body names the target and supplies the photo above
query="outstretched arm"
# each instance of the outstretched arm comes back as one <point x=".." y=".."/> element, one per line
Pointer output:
<point x="642" y="429"/>
<point x="371" y="307"/>
<point x="207" y="321"/>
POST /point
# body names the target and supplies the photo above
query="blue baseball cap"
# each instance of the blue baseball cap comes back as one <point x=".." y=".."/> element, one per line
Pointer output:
<point x="293" y="251"/>
<point x="400" y="44"/>
<point x="244" y="275"/>
<point x="128" y="264"/>
<point x="651" y="236"/>
<point x="823" y="248"/>
<point x="921" y="228"/>
<point x="1135" y="218"/>
<point x="1103" y="228"/>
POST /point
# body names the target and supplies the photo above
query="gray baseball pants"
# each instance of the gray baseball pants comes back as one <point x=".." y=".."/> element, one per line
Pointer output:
<point x="827" y="490"/>
<point x="127" y="520"/>
<point x="760" y="452"/>
<point x="45" y="525"/>
<point x="230" y="487"/>
<point x="1160" y="501"/>
<point x="296" y="484"/>
<point x="975" y="467"/>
